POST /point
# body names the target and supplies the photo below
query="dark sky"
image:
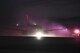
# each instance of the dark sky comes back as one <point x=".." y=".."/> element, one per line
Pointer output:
<point x="15" y="11"/>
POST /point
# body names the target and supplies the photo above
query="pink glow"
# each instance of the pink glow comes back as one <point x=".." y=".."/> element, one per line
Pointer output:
<point x="76" y="31"/>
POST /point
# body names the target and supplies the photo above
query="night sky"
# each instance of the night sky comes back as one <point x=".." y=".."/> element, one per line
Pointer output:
<point x="50" y="14"/>
<point x="15" y="11"/>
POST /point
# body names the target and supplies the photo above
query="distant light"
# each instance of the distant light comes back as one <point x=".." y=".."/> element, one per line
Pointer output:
<point x="76" y="31"/>
<point x="17" y="24"/>
<point x="35" y="24"/>
<point x="39" y="35"/>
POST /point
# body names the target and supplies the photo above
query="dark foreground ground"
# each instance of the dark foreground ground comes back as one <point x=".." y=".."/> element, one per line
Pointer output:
<point x="32" y="45"/>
